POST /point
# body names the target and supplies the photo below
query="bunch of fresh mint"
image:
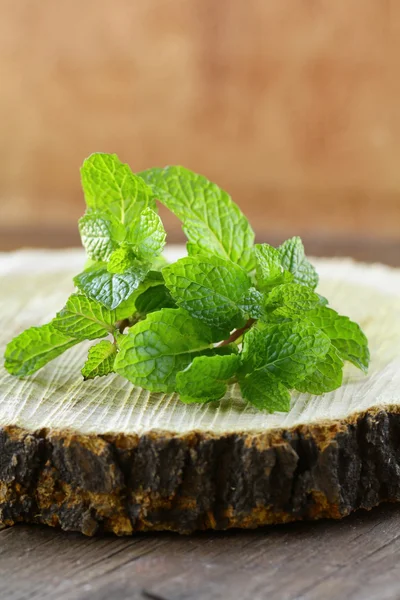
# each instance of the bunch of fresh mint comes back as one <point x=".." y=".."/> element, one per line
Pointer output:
<point x="230" y="312"/>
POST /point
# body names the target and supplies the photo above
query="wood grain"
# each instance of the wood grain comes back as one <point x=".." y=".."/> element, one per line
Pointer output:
<point x="291" y="106"/>
<point x="356" y="558"/>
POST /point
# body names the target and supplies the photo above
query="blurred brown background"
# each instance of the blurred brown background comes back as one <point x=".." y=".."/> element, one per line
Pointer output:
<point x="292" y="105"/>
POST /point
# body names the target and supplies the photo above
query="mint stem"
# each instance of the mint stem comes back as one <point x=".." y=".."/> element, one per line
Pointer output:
<point x="237" y="333"/>
<point x="122" y="325"/>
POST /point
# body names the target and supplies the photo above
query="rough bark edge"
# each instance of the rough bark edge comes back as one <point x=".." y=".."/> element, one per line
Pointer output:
<point x="199" y="480"/>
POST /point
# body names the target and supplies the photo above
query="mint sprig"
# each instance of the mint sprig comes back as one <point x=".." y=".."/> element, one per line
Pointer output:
<point x="230" y="313"/>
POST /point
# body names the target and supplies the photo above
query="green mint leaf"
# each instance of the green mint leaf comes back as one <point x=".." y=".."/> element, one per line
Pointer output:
<point x="154" y="298"/>
<point x="196" y="250"/>
<point x="84" y="319"/>
<point x="323" y="301"/>
<point x="156" y="349"/>
<point x="35" y="347"/>
<point x="251" y="304"/>
<point x="328" y="375"/>
<point x="100" y="361"/>
<point x="294" y="260"/>
<point x="209" y="288"/>
<point x="97" y="236"/>
<point x="210" y="219"/>
<point x="269" y="270"/>
<point x="128" y="307"/>
<point x="346" y="336"/>
<point x="159" y="262"/>
<point x="110" y="186"/>
<point x="121" y="260"/>
<point x="111" y="289"/>
<point x="205" y="379"/>
<point x="147" y="236"/>
<point x="262" y="389"/>
<point x="291" y="298"/>
<point x="289" y="350"/>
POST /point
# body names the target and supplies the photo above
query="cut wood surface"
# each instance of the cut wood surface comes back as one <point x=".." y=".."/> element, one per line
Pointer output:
<point x="104" y="455"/>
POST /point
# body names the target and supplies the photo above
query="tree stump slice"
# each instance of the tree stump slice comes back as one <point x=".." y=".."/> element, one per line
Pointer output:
<point x="105" y="456"/>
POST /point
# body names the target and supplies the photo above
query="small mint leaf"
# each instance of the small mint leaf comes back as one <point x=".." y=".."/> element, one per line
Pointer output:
<point x="251" y="304"/>
<point x="209" y="288"/>
<point x="108" y="288"/>
<point x="291" y="298"/>
<point x="294" y="260"/>
<point x="210" y="219"/>
<point x="97" y="237"/>
<point x="269" y="270"/>
<point x="121" y="260"/>
<point x="35" y="347"/>
<point x="328" y="375"/>
<point x="147" y="236"/>
<point x="205" y="379"/>
<point x="264" y="391"/>
<point x="110" y="186"/>
<point x="84" y="318"/>
<point x="100" y="361"/>
<point x="156" y="349"/>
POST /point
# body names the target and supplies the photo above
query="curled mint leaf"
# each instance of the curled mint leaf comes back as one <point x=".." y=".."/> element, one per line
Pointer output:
<point x="205" y="379"/>
<point x="210" y="219"/>
<point x="294" y="260"/>
<point x="147" y="236"/>
<point x="34" y="348"/>
<point x="100" y="361"/>
<point x="209" y="288"/>
<point x="156" y="349"/>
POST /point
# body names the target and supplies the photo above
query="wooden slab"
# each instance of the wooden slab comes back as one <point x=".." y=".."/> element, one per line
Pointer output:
<point x="104" y="455"/>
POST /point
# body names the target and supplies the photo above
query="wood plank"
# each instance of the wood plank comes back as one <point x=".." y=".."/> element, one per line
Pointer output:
<point x="356" y="558"/>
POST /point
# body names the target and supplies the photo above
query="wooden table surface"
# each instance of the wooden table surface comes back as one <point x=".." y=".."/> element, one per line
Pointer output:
<point x="356" y="558"/>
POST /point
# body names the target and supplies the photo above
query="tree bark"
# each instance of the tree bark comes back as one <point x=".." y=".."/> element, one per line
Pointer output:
<point x="127" y="483"/>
